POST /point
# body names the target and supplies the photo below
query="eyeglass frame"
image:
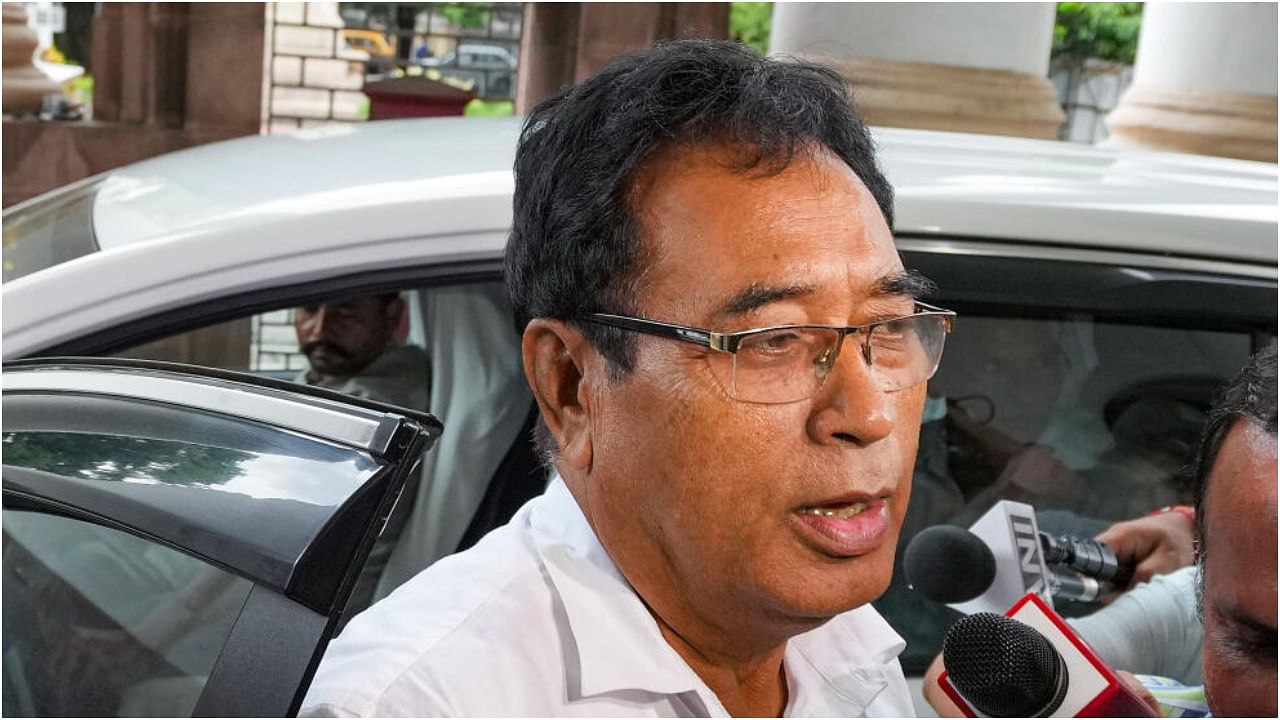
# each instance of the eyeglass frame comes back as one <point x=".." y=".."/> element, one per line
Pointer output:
<point x="731" y="342"/>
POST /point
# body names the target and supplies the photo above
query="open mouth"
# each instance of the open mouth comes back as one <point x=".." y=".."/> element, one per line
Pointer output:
<point x="845" y="529"/>
<point x="841" y="512"/>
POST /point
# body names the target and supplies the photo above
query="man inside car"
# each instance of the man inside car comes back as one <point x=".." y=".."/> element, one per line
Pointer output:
<point x="730" y="363"/>
<point x="351" y="347"/>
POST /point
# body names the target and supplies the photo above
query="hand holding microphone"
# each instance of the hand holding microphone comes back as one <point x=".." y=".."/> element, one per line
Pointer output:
<point x="1153" y="545"/>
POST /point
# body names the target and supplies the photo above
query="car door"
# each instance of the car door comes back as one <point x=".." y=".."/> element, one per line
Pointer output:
<point x="180" y="541"/>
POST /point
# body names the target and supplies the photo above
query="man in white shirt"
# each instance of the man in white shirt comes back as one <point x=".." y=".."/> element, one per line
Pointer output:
<point x="730" y="364"/>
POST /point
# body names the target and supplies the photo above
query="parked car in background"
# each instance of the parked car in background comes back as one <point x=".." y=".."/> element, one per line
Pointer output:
<point x="1102" y="296"/>
<point x="493" y="66"/>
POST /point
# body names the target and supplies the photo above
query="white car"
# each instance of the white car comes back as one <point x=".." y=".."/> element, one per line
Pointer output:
<point x="1102" y="297"/>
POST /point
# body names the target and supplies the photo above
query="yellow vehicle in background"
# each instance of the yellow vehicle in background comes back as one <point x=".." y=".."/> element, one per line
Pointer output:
<point x="382" y="52"/>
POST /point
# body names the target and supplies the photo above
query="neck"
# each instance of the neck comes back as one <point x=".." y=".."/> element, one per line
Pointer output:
<point x="754" y="686"/>
<point x="735" y="650"/>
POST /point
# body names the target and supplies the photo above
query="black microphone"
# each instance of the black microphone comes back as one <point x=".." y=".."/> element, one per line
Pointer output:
<point x="1030" y="664"/>
<point x="1004" y="668"/>
<point x="948" y="564"/>
<point x="951" y="565"/>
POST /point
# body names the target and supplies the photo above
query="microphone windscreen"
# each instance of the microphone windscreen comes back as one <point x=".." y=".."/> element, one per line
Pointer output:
<point x="948" y="564"/>
<point x="1004" y="668"/>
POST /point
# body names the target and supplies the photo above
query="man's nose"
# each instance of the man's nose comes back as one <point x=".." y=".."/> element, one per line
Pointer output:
<point x="851" y="407"/>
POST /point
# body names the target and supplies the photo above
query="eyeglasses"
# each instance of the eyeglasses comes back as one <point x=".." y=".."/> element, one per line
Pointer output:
<point x="789" y="363"/>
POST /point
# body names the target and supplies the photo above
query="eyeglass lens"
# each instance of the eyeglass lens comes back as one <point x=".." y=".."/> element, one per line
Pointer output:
<point x="791" y="364"/>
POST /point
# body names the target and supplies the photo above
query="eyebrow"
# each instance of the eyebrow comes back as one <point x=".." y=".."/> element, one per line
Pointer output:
<point x="757" y="295"/>
<point x="910" y="284"/>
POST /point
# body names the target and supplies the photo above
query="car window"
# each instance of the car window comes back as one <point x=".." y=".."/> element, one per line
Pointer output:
<point x="51" y="229"/>
<point x="98" y="622"/>
<point x="1088" y="421"/>
<point x="263" y="344"/>
<point x="467" y="363"/>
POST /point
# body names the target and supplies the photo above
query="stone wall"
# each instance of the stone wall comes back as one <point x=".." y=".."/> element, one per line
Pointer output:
<point x="315" y="79"/>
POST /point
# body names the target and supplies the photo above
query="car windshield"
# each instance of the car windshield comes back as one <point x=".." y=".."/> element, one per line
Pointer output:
<point x="51" y="229"/>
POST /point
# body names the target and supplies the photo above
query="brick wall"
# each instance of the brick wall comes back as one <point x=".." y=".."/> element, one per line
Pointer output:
<point x="275" y="343"/>
<point x="315" y="79"/>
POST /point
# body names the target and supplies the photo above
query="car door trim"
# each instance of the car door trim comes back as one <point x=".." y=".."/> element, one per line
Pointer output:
<point x="185" y="318"/>
<point x="274" y="633"/>
<point x="953" y="245"/>
<point x="318" y="417"/>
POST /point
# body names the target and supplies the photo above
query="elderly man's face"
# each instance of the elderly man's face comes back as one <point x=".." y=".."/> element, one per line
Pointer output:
<point x="341" y="338"/>
<point x="707" y="502"/>
<point x="1240" y="575"/>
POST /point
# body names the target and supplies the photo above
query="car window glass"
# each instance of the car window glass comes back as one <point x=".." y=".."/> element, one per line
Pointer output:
<point x="263" y="344"/>
<point x="98" y="622"/>
<point x="49" y="230"/>
<point x="1089" y="422"/>
<point x="467" y="364"/>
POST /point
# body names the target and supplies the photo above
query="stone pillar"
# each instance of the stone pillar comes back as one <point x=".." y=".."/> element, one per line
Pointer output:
<point x="1204" y="82"/>
<point x="166" y="76"/>
<point x="564" y="43"/>
<point x="968" y="67"/>
<point x="24" y="85"/>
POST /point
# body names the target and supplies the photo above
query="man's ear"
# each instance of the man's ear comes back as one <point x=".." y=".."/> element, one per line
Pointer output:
<point x="556" y="357"/>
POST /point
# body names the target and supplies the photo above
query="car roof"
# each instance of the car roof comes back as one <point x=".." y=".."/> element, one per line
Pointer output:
<point x="946" y="184"/>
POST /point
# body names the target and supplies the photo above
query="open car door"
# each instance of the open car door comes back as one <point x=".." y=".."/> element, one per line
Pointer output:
<point x="179" y="541"/>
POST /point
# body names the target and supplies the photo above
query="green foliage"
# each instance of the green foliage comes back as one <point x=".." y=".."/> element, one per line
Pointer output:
<point x="489" y="108"/>
<point x="750" y="23"/>
<point x="1108" y="31"/>
<point x="468" y="15"/>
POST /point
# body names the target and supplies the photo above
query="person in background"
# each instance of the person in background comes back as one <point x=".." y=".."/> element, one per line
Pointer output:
<point x="351" y="347"/>
<point x="1235" y="472"/>
<point x="730" y="361"/>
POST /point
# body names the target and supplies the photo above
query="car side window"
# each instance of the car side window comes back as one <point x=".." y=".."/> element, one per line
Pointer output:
<point x="1098" y="419"/>
<point x="468" y="355"/>
<point x="99" y="622"/>
<point x="1088" y="421"/>
<point x="270" y="343"/>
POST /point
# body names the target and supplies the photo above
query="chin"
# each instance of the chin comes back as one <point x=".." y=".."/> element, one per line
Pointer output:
<point x="826" y="589"/>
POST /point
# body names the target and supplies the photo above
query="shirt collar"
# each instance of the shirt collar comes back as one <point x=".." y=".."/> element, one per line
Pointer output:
<point x="851" y="655"/>
<point x="619" y="645"/>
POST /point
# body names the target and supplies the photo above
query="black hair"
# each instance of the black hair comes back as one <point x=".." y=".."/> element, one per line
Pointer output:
<point x="1251" y="397"/>
<point x="575" y="246"/>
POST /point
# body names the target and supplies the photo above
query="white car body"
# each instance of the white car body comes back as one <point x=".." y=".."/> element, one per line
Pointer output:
<point x="238" y="216"/>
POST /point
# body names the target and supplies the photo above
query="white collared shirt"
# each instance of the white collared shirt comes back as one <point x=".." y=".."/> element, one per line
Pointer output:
<point x="536" y="620"/>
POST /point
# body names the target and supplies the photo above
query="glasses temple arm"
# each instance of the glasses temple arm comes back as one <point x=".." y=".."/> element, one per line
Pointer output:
<point x="694" y="336"/>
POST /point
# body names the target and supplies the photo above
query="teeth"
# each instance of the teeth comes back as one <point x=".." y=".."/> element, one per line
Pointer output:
<point x="843" y="513"/>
